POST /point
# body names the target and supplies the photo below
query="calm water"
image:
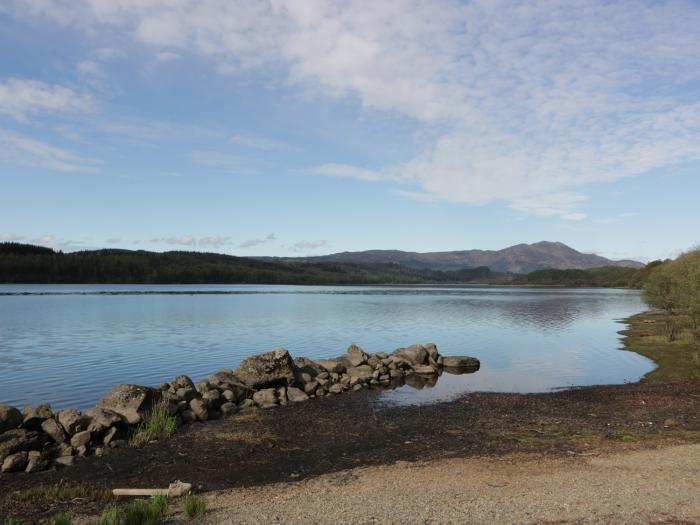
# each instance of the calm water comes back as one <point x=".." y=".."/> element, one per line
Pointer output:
<point x="69" y="344"/>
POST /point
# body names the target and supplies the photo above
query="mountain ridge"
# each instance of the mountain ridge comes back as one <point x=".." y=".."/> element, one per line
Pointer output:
<point x="519" y="258"/>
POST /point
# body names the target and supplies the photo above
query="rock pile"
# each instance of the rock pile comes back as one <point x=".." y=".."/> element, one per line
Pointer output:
<point x="37" y="438"/>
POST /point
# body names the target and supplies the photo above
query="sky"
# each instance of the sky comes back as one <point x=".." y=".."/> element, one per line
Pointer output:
<point x="298" y="127"/>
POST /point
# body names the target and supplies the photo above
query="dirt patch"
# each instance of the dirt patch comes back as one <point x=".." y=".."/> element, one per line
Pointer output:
<point x="352" y="430"/>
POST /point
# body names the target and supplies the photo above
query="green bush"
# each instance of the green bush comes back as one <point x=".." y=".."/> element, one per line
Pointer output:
<point x="112" y="516"/>
<point x="194" y="506"/>
<point x="140" y="512"/>
<point x="157" y="425"/>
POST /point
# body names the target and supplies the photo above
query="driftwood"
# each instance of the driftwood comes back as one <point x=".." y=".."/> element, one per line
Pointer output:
<point x="177" y="488"/>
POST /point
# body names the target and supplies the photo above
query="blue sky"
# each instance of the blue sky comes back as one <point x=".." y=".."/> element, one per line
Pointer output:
<point x="308" y="127"/>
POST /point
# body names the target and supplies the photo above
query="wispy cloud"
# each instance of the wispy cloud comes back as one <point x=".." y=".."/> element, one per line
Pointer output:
<point x="19" y="149"/>
<point x="307" y="245"/>
<point x="22" y="98"/>
<point x="185" y="240"/>
<point x="551" y="204"/>
<point x="257" y="242"/>
<point x="10" y="237"/>
<point x="255" y="142"/>
<point x="215" y="240"/>
<point x="167" y="56"/>
<point x="525" y="99"/>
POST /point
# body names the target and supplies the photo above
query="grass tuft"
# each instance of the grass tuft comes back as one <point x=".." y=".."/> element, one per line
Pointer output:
<point x="111" y="516"/>
<point x="140" y="512"/>
<point x="62" y="518"/>
<point x="12" y="521"/>
<point x="157" y="425"/>
<point x="194" y="506"/>
<point x="47" y="494"/>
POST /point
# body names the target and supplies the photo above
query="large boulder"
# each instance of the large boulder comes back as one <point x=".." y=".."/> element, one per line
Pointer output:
<point x="10" y="418"/>
<point x="332" y="366"/>
<point x="265" y="398"/>
<point x="455" y="364"/>
<point x="356" y="355"/>
<point x="295" y="395"/>
<point x="15" y="462"/>
<point x="132" y="402"/>
<point x="54" y="429"/>
<point x="267" y="370"/>
<point x="414" y="354"/>
<point x="226" y="380"/>
<point x="361" y="373"/>
<point x="72" y="420"/>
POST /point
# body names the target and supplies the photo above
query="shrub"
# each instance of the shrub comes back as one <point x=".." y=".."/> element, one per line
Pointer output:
<point x="157" y="425"/>
<point x="140" y="512"/>
<point x="194" y="506"/>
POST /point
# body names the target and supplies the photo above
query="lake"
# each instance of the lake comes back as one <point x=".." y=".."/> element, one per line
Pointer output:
<point x="69" y="344"/>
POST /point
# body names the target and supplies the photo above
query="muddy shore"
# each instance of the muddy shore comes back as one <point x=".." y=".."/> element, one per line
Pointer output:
<point x="339" y="433"/>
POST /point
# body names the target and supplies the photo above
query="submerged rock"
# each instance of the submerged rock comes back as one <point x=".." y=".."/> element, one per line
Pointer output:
<point x="460" y="364"/>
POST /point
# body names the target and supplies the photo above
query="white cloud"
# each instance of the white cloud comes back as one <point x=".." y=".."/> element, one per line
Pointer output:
<point x="109" y="53"/>
<point x="551" y="204"/>
<point x="185" y="240"/>
<point x="527" y="99"/>
<point x="257" y="242"/>
<point x="215" y="240"/>
<point x="167" y="56"/>
<point x="252" y="141"/>
<point x="10" y="237"/>
<point x="21" y="98"/>
<point x="574" y="216"/>
<point x="19" y="149"/>
<point x="307" y="245"/>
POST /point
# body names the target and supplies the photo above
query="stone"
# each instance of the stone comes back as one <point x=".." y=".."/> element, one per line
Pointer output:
<point x="100" y="419"/>
<point x="72" y="421"/>
<point x="320" y="391"/>
<point x="81" y="451"/>
<point x="395" y="373"/>
<point x="282" y="395"/>
<point x="228" y="409"/>
<point x="34" y="417"/>
<point x="332" y="365"/>
<point x="202" y="387"/>
<point x="357" y="387"/>
<point x="362" y="372"/>
<point x="110" y="436"/>
<point x="64" y="449"/>
<point x="335" y="389"/>
<point x="356" y="355"/>
<point x="181" y="381"/>
<point x="188" y="416"/>
<point x="295" y="395"/>
<point x="229" y="396"/>
<point x="432" y="350"/>
<point x="212" y="398"/>
<point x="119" y="443"/>
<point x="54" y="429"/>
<point x="35" y="463"/>
<point x="21" y="440"/>
<point x="10" y="418"/>
<point x="186" y="394"/>
<point x="131" y="401"/>
<point x="199" y="409"/>
<point x="81" y="439"/>
<point x="265" y="398"/>
<point x="414" y="354"/>
<point x="99" y="451"/>
<point x="64" y="461"/>
<point x="15" y="462"/>
<point x="310" y="388"/>
<point x="270" y="369"/>
<point x="226" y="380"/>
<point x="374" y="361"/>
<point x="460" y="364"/>
<point x="424" y="369"/>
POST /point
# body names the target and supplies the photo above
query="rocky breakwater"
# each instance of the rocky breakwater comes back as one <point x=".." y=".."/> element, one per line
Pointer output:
<point x="37" y="438"/>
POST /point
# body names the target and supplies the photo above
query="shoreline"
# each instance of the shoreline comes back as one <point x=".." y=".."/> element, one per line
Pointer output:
<point x="337" y="434"/>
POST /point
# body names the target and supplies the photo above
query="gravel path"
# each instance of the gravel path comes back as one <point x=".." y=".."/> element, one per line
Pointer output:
<point x="648" y="486"/>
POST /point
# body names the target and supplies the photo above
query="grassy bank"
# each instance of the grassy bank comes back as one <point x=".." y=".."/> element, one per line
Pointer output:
<point x="676" y="360"/>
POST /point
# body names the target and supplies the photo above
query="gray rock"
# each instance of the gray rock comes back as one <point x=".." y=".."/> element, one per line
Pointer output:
<point x="265" y="398"/>
<point x="432" y="350"/>
<point x="228" y="409"/>
<point x="202" y="387"/>
<point x="320" y="391"/>
<point x="64" y="449"/>
<point x="100" y="419"/>
<point x="54" y="429"/>
<point x="310" y="388"/>
<point x="246" y="404"/>
<point x="357" y="387"/>
<point x="64" y="461"/>
<point x="35" y="463"/>
<point x="295" y="395"/>
<point x="15" y="462"/>
<point x="81" y="451"/>
<point x="199" y="409"/>
<point x="131" y="401"/>
<point x="282" y="395"/>
<point x="229" y="396"/>
<point x="81" y="439"/>
<point x="332" y="365"/>
<point x="181" y="381"/>
<point x="395" y="373"/>
<point x="226" y="380"/>
<point x="460" y="364"/>
<point x="99" y="451"/>
<point x="335" y="389"/>
<point x="21" y="440"/>
<point x="34" y="417"/>
<point x="424" y="369"/>
<point x="186" y="394"/>
<point x="72" y="421"/>
<point x="119" y="443"/>
<point x="110" y="436"/>
<point x="188" y="416"/>
<point x="414" y="354"/>
<point x="362" y="372"/>
<point x="212" y="398"/>
<point x="267" y="370"/>
<point x="356" y="355"/>
<point x="374" y="361"/>
<point x="10" y="418"/>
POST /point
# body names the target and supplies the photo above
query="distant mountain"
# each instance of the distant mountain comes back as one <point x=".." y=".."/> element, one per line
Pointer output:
<point x="521" y="258"/>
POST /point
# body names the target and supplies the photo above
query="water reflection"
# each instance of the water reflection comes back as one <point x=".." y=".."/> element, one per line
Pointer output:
<point x="70" y="349"/>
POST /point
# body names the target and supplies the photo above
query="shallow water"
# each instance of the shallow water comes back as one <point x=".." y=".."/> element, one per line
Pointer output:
<point x="68" y="344"/>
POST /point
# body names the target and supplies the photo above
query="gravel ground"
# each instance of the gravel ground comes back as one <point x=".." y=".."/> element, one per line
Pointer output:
<point x="646" y="486"/>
